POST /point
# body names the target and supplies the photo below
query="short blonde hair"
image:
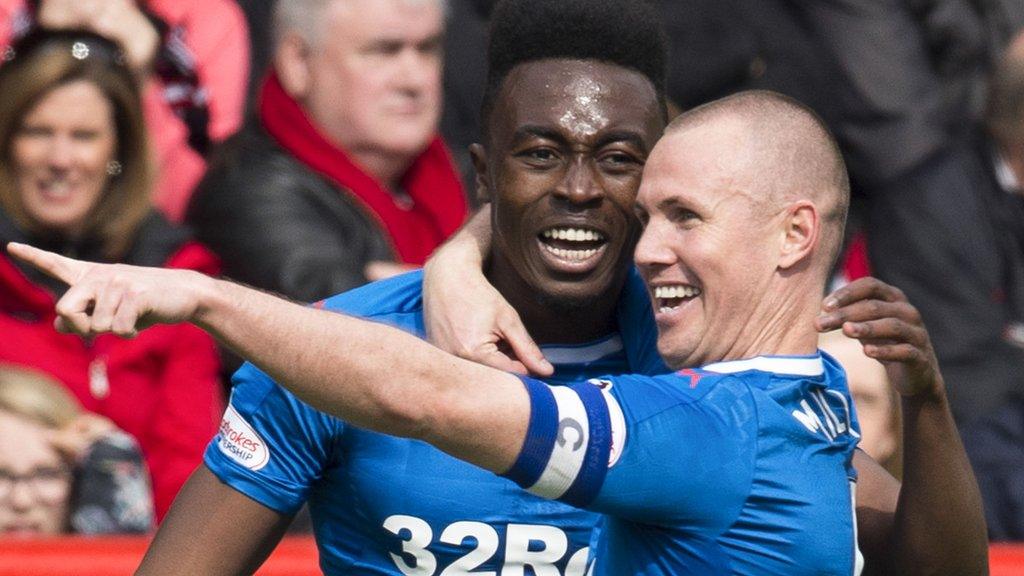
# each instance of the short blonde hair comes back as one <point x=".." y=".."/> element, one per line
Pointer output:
<point x="45" y="61"/>
<point x="36" y="396"/>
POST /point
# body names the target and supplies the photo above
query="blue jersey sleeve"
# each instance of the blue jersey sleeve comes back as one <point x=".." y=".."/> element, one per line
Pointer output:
<point x="395" y="295"/>
<point x="650" y="450"/>
<point x="688" y="451"/>
<point x="271" y="446"/>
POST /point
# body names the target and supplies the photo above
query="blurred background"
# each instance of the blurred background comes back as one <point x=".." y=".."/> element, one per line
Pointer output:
<point x="200" y="135"/>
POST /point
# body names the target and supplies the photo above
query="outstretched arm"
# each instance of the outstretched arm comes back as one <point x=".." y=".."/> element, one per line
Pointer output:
<point x="383" y="380"/>
<point x="934" y="524"/>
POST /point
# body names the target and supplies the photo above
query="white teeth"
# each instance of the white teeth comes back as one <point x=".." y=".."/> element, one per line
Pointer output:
<point x="576" y="255"/>
<point x="573" y="234"/>
<point x="679" y="291"/>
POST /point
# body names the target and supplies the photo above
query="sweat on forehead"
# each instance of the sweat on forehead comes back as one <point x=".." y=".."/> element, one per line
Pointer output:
<point x="578" y="98"/>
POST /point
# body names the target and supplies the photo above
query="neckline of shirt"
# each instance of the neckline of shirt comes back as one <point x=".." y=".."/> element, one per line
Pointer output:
<point x="790" y="365"/>
<point x="583" y="353"/>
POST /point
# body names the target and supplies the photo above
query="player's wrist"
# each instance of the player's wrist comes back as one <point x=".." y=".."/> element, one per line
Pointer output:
<point x="932" y="391"/>
<point x="212" y="300"/>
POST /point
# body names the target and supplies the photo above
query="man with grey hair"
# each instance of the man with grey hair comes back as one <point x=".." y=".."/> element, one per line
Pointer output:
<point x="340" y="178"/>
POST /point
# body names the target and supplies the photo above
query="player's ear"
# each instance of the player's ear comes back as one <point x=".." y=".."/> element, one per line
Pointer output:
<point x="800" y="232"/>
<point x="483" y="178"/>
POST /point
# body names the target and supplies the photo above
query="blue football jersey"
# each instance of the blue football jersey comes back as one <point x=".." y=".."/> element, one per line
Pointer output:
<point x="386" y="505"/>
<point x="737" y="468"/>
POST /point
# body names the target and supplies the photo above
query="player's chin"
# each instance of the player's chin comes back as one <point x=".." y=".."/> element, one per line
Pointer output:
<point x="677" y="352"/>
<point x="576" y="293"/>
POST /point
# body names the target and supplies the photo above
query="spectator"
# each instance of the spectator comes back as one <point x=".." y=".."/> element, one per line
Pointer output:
<point x="877" y="402"/>
<point x="62" y="470"/>
<point x="341" y="174"/>
<point x="74" y="176"/>
<point x="994" y="440"/>
<point x="192" y="57"/>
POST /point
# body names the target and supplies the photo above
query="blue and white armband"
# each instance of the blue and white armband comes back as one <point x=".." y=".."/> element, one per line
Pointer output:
<point x="566" y="452"/>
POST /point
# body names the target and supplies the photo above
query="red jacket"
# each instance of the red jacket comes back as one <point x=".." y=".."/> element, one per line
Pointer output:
<point x="162" y="387"/>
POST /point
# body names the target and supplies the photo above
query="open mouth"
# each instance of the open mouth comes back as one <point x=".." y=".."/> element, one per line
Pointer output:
<point x="55" y="189"/>
<point x="668" y="298"/>
<point x="573" y="245"/>
<point x="572" y="249"/>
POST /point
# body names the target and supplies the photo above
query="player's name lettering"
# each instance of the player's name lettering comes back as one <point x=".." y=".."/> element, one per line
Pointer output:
<point x="240" y="442"/>
<point x="529" y="549"/>
<point x="818" y="416"/>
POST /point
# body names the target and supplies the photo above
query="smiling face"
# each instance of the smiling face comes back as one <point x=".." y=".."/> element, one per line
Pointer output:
<point x="566" y="148"/>
<point x="709" y="247"/>
<point x="59" y="156"/>
<point x="34" y="484"/>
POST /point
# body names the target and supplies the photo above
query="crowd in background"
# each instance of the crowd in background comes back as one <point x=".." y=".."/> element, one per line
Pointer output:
<point x="309" y="155"/>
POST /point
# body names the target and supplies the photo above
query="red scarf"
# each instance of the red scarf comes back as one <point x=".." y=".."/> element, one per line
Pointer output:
<point x="438" y="201"/>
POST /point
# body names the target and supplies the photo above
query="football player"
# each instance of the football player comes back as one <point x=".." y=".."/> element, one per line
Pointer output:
<point x="742" y="466"/>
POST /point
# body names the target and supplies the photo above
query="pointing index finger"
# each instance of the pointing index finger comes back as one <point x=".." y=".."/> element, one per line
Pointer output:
<point x="64" y="269"/>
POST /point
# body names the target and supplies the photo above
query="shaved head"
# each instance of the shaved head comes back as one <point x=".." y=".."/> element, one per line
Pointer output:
<point x="791" y="156"/>
<point x="743" y="202"/>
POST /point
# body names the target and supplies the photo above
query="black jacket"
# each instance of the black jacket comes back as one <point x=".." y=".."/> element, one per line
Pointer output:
<point x="278" y="225"/>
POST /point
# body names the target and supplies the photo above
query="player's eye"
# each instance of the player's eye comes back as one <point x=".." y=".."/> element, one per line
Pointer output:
<point x="539" y="157"/>
<point x="617" y="160"/>
<point x="683" y="216"/>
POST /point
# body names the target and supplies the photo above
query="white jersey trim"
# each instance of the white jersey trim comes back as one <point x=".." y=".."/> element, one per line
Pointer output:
<point x="583" y="354"/>
<point x="616" y="419"/>
<point x="858" y="558"/>
<point x="791" y="365"/>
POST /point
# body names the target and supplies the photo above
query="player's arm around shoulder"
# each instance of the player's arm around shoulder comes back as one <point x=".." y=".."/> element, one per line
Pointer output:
<point x="933" y="523"/>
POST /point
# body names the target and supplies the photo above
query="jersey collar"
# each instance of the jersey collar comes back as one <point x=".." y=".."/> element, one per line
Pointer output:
<point x="585" y="353"/>
<point x="790" y="365"/>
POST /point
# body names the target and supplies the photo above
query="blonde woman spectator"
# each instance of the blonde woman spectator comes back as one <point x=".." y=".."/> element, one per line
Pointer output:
<point x="64" y="470"/>
<point x="74" y="176"/>
<point x="192" y="57"/>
